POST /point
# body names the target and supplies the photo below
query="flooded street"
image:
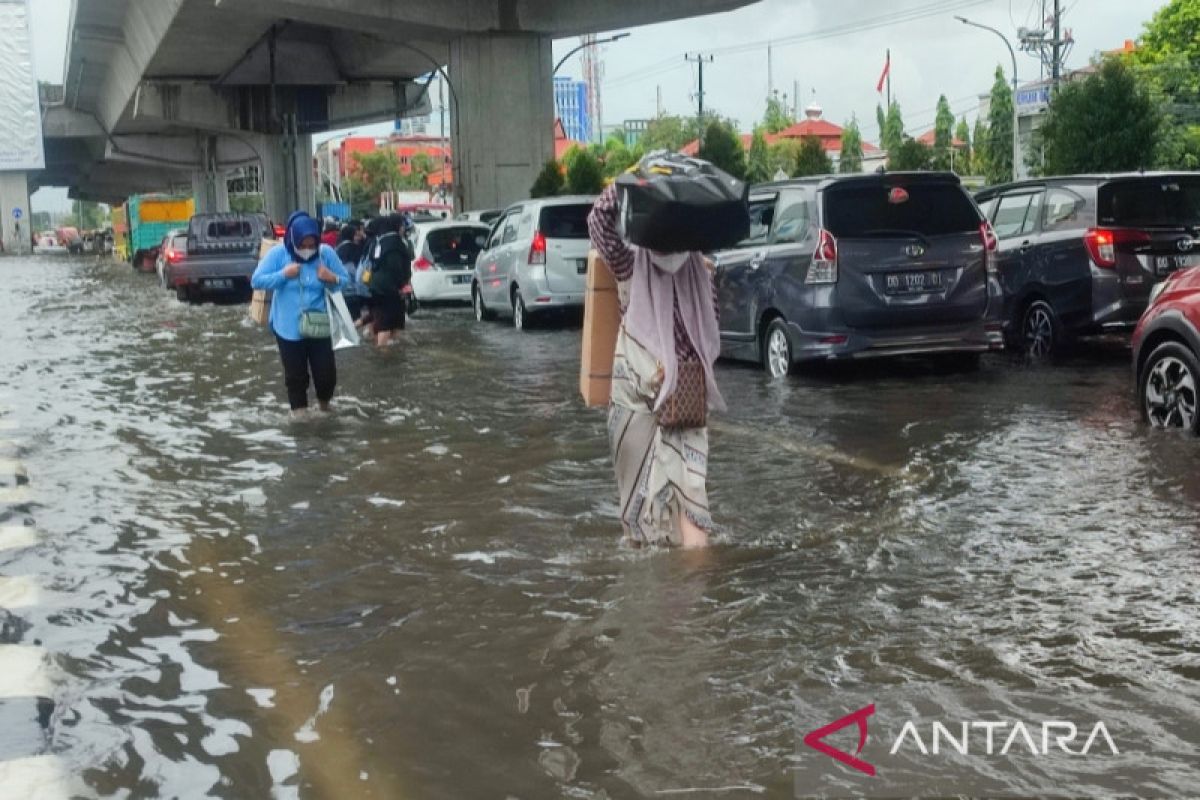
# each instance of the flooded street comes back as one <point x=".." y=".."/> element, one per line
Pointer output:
<point x="424" y="596"/>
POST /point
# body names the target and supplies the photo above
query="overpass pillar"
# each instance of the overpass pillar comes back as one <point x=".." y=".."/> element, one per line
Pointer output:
<point x="15" y="217"/>
<point x="503" y="116"/>
<point x="209" y="185"/>
<point x="287" y="173"/>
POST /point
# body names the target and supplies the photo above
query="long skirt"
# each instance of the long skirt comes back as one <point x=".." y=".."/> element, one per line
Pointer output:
<point x="661" y="472"/>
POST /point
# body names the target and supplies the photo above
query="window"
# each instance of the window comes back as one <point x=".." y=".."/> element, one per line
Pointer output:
<point x="792" y="223"/>
<point x="229" y="229"/>
<point x="456" y="247"/>
<point x="1010" y="215"/>
<point x="565" y="222"/>
<point x="1061" y="211"/>
<point x="1031" y="219"/>
<point x="510" y="228"/>
<point x="857" y="208"/>
<point x="1170" y="201"/>
<point x="497" y="232"/>
<point x="525" y="227"/>
<point x="762" y="214"/>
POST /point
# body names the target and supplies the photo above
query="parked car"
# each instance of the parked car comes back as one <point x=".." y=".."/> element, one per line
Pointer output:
<point x="444" y="260"/>
<point x="486" y="217"/>
<point x="171" y="251"/>
<point x="1166" y="353"/>
<point x="1079" y="255"/>
<point x="859" y="266"/>
<point x="535" y="260"/>
<point x="222" y="252"/>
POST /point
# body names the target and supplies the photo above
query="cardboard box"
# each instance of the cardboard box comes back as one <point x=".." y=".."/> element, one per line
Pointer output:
<point x="601" y="323"/>
<point x="260" y="300"/>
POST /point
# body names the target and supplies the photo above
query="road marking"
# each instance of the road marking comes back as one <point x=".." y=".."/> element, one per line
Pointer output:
<point x="37" y="778"/>
<point x="18" y="592"/>
<point x="16" y="537"/>
<point x="23" y="672"/>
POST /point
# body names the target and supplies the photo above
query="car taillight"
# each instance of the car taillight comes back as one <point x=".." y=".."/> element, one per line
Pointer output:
<point x="280" y="231"/>
<point x="990" y="243"/>
<point x="1102" y="244"/>
<point x="174" y="256"/>
<point x="422" y="264"/>
<point x="537" y="250"/>
<point x="824" y="264"/>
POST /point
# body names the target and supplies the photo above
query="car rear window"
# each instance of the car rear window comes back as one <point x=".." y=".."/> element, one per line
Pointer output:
<point x="1150" y="202"/>
<point x="879" y="209"/>
<point x="455" y="246"/>
<point x="229" y="229"/>
<point x="179" y="244"/>
<point x="564" y="222"/>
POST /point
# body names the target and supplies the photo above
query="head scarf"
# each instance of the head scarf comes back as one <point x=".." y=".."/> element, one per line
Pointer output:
<point x="347" y="233"/>
<point x="300" y="226"/>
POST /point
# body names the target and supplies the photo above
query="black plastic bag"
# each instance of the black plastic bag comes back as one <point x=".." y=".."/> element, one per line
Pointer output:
<point x="673" y="203"/>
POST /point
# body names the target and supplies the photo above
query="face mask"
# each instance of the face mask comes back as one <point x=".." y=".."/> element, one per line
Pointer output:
<point x="306" y="255"/>
<point x="669" y="262"/>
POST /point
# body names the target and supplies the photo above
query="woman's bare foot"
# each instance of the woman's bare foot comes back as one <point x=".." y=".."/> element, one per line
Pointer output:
<point x="692" y="536"/>
<point x="299" y="413"/>
<point x="326" y="408"/>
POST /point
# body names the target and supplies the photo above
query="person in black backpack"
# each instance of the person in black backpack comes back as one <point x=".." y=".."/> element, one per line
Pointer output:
<point x="350" y="251"/>
<point x="391" y="270"/>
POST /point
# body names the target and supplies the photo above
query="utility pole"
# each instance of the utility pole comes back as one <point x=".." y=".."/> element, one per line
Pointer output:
<point x="659" y="105"/>
<point x="1056" y="65"/>
<point x="700" y="60"/>
<point x="770" y="73"/>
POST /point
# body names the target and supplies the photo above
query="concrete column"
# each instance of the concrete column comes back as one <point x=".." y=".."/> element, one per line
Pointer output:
<point x="287" y="169"/>
<point x="14" y="197"/>
<point x="503" y="121"/>
<point x="211" y="191"/>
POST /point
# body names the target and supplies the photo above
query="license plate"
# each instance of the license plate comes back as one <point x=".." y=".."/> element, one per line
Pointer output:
<point x="460" y="279"/>
<point x="581" y="266"/>
<point x="218" y="283"/>
<point x="1165" y="265"/>
<point x="913" y="282"/>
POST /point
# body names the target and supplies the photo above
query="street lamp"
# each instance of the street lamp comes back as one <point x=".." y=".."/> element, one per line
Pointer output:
<point x="563" y="60"/>
<point x="1016" y="119"/>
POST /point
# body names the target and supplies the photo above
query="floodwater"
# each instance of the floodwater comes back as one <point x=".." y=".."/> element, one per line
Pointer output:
<point x="424" y="596"/>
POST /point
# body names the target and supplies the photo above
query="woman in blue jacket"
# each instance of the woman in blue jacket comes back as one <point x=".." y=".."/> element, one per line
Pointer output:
<point x="299" y="272"/>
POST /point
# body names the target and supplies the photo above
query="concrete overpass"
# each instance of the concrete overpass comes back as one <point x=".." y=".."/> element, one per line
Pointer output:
<point x="162" y="92"/>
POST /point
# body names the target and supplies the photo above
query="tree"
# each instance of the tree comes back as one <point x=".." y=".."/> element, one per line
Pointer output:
<point x="549" y="181"/>
<point x="666" y="133"/>
<point x="1110" y="102"/>
<point x="881" y="121"/>
<point x="585" y="175"/>
<point x="980" y="138"/>
<point x="892" y="131"/>
<point x="617" y="156"/>
<point x="88" y="216"/>
<point x="423" y="166"/>
<point x="758" y="163"/>
<point x="1167" y="61"/>
<point x="777" y="117"/>
<point x="371" y="175"/>
<point x="910" y="156"/>
<point x="782" y="155"/>
<point x="962" y="164"/>
<point x="998" y="153"/>
<point x="852" y="152"/>
<point x="943" y="135"/>
<point x="812" y="159"/>
<point x="722" y="147"/>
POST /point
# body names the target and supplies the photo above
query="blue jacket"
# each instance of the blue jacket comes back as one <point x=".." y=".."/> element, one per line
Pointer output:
<point x="294" y="296"/>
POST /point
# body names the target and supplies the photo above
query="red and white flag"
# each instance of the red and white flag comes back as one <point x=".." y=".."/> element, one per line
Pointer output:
<point x="887" y="68"/>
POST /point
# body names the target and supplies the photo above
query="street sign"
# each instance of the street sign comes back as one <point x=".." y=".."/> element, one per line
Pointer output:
<point x="18" y="213"/>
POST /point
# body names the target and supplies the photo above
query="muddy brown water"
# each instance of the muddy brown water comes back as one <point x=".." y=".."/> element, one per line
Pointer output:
<point x="424" y="595"/>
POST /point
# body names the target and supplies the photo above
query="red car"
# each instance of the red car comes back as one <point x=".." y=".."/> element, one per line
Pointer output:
<point x="1166" y="353"/>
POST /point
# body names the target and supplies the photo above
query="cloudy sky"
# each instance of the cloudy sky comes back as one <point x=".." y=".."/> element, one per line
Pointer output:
<point x="834" y="49"/>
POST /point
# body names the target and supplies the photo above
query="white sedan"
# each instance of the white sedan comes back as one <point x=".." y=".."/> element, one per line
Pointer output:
<point x="444" y="260"/>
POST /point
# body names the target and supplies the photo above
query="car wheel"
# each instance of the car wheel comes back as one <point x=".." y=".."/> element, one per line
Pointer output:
<point x="182" y="294"/>
<point x="410" y="304"/>
<point x="1168" y="388"/>
<point x="1040" y="332"/>
<point x="481" y="311"/>
<point x="777" y="349"/>
<point x="520" y="315"/>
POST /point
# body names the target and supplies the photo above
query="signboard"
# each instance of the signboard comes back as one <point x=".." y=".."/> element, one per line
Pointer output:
<point x="21" y="123"/>
<point x="18" y="213"/>
<point x="1033" y="98"/>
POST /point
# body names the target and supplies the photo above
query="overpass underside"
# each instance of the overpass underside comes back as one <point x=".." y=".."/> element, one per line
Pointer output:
<point x="163" y="93"/>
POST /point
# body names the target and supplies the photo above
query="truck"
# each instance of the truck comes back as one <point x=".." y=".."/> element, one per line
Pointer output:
<point x="222" y="253"/>
<point x="148" y="218"/>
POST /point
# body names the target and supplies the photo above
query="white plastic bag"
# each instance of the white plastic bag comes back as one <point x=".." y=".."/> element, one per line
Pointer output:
<point x="341" y="324"/>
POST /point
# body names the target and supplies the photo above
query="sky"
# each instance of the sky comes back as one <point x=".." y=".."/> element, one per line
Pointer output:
<point x="833" y="49"/>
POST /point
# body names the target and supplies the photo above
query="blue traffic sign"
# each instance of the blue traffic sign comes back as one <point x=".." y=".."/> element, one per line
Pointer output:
<point x="18" y="213"/>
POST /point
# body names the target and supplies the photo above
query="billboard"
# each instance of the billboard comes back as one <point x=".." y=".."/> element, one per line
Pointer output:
<point x="21" y="123"/>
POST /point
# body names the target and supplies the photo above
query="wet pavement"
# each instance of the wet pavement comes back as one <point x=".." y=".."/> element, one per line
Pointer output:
<point x="423" y="596"/>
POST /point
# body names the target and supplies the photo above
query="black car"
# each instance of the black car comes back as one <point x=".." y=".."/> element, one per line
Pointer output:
<point x="1079" y="255"/>
<point x="859" y="266"/>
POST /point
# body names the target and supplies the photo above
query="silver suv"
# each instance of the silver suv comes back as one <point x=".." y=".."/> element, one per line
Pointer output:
<point x="535" y="260"/>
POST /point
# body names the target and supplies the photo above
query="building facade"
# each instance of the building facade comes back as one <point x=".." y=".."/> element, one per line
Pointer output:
<point x="571" y="104"/>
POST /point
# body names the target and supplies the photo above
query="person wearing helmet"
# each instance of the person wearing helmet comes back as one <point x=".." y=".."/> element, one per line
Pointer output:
<point x="662" y="384"/>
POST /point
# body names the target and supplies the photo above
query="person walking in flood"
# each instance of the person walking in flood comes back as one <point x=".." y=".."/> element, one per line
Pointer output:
<point x="391" y="270"/>
<point x="662" y="384"/>
<point x="299" y="272"/>
<point x="350" y="252"/>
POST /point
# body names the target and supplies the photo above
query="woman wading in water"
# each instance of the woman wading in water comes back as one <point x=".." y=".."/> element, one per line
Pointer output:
<point x="662" y="385"/>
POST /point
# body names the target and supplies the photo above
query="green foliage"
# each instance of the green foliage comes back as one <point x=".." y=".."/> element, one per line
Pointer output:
<point x="812" y="159"/>
<point x="617" y="156"/>
<point x="998" y="151"/>
<point x="423" y="166"/>
<point x="722" y="147"/>
<point x="371" y="175"/>
<point x="1104" y="122"/>
<point x="1168" y="63"/>
<point x="852" y="152"/>
<point x="40" y="221"/>
<point x="549" y="181"/>
<point x="943" y="135"/>
<point x="247" y="203"/>
<point x="782" y="155"/>
<point x="910" y="156"/>
<point x="980" y="138"/>
<point x="88" y="216"/>
<point x="585" y="175"/>
<point x="892" y="135"/>
<point x="962" y="163"/>
<point x="881" y="121"/>
<point x="668" y="133"/>
<point x="758" y="162"/>
<point x="777" y="116"/>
